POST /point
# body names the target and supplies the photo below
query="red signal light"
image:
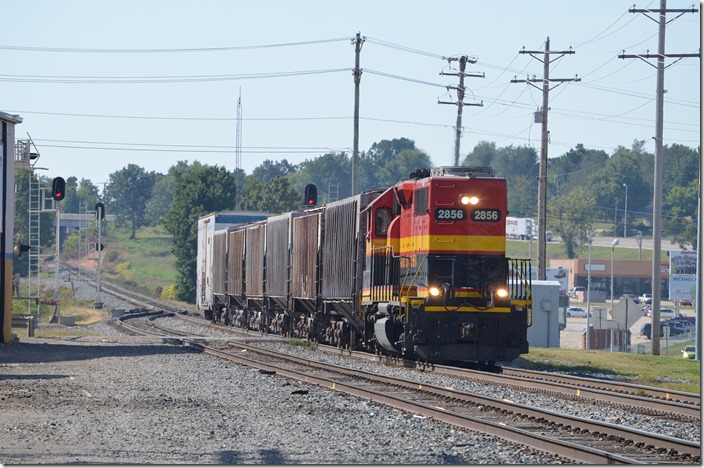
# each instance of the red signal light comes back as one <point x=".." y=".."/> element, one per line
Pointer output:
<point x="311" y="195"/>
<point x="58" y="187"/>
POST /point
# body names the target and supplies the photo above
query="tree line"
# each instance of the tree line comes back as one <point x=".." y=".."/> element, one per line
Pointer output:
<point x="584" y="187"/>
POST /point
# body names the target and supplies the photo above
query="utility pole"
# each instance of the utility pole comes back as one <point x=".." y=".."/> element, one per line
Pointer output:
<point x="357" y="73"/>
<point x="657" y="184"/>
<point x="543" y="176"/>
<point x="460" y="98"/>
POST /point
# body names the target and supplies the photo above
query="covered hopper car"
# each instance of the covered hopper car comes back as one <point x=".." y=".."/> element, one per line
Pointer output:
<point x="418" y="270"/>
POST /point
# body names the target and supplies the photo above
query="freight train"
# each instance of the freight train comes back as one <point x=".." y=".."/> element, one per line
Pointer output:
<point x="418" y="271"/>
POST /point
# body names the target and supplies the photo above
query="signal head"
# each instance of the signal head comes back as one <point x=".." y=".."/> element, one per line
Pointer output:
<point x="311" y="195"/>
<point x="58" y="188"/>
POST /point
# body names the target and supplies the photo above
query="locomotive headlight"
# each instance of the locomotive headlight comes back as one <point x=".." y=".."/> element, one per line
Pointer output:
<point x="501" y="292"/>
<point x="434" y="291"/>
<point x="468" y="200"/>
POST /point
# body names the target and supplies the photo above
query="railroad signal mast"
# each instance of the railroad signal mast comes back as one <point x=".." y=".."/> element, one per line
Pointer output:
<point x="58" y="192"/>
<point x="99" y="216"/>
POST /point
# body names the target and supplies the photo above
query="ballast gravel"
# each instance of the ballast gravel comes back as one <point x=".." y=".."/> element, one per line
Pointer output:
<point x="577" y="407"/>
<point x="112" y="399"/>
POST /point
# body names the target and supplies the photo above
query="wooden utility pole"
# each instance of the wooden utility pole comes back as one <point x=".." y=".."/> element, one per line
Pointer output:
<point x="543" y="176"/>
<point x="657" y="184"/>
<point x="357" y="73"/>
<point x="460" y="99"/>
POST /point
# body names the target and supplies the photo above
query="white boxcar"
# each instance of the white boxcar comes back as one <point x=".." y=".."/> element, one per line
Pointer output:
<point x="208" y="225"/>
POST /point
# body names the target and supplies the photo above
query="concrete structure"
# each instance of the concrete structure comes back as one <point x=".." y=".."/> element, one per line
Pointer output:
<point x="71" y="222"/>
<point x="630" y="276"/>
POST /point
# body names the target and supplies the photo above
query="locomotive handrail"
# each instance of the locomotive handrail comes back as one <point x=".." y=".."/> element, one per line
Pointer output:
<point x="388" y="254"/>
<point x="521" y="288"/>
<point x="413" y="280"/>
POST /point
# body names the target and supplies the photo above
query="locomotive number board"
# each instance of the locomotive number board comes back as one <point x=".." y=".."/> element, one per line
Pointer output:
<point x="450" y="214"/>
<point x="458" y="214"/>
<point x="486" y="215"/>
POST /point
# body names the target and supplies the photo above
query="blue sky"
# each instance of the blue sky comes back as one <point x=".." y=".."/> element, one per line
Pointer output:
<point x="104" y="84"/>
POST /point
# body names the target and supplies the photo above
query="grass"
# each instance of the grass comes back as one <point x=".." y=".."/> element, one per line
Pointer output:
<point x="671" y="371"/>
<point x="144" y="263"/>
<point x="521" y="249"/>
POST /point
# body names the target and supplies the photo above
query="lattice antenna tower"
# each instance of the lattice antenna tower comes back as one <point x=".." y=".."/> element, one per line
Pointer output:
<point x="238" y="137"/>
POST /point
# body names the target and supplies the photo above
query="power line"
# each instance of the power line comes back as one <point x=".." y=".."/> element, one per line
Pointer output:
<point x="83" y="50"/>
<point x="63" y="79"/>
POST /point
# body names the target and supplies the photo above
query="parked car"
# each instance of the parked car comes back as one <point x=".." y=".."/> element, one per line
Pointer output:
<point x="573" y="292"/>
<point x="576" y="312"/>
<point x="689" y="352"/>
<point x="665" y="312"/>
<point x="673" y="331"/>
<point x="683" y="302"/>
<point x="676" y="328"/>
<point x="646" y="328"/>
<point x="646" y="299"/>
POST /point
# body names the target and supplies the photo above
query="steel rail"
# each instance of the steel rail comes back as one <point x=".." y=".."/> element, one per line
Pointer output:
<point x="612" y="430"/>
<point x="578" y="390"/>
<point x="558" y="447"/>
<point x="623" y="387"/>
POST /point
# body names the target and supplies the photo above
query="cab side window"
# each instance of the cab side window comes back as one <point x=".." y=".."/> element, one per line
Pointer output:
<point x="383" y="217"/>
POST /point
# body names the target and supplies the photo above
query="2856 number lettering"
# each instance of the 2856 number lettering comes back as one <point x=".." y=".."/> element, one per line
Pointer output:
<point x="486" y="215"/>
<point x="450" y="214"/>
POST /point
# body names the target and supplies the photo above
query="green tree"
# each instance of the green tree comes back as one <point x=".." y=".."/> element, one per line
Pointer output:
<point x="573" y="169"/>
<point x="482" y="155"/>
<point x="680" y="167"/>
<point x="199" y="191"/>
<point x="571" y="216"/>
<point x="71" y="203"/>
<point x="87" y="194"/>
<point x="163" y="192"/>
<point x="126" y="195"/>
<point x="681" y="219"/>
<point x="275" y="196"/>
<point x="331" y="173"/>
<point x="520" y="166"/>
<point x="399" y="167"/>
<point x="269" y="170"/>
<point x="606" y="185"/>
<point x="388" y="162"/>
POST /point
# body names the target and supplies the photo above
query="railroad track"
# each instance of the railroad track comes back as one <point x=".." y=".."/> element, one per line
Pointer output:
<point x="579" y="439"/>
<point x="638" y="398"/>
<point x="652" y="401"/>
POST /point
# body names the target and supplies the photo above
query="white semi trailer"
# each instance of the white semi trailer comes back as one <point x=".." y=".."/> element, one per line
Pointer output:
<point x="519" y="228"/>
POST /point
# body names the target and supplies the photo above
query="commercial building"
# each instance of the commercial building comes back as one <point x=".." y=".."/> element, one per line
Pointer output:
<point x="630" y="276"/>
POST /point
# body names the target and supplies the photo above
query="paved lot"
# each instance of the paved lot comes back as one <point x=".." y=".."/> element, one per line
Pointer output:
<point x="571" y="336"/>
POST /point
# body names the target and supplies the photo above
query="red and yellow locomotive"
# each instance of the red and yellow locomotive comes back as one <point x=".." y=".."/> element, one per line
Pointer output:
<point x="437" y="282"/>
